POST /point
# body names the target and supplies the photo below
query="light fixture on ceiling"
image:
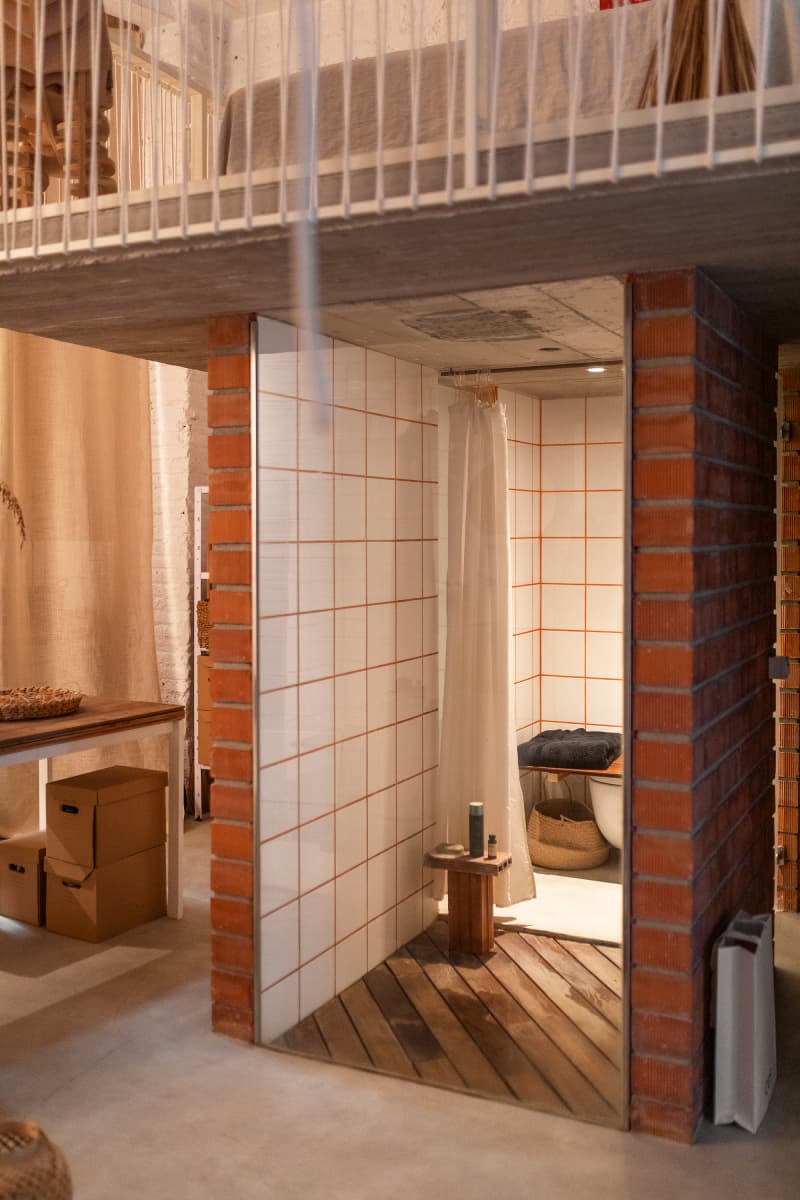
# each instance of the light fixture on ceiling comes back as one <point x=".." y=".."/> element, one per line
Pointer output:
<point x="596" y="370"/>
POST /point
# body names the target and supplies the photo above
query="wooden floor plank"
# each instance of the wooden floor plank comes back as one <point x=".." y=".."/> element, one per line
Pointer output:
<point x="305" y="1038"/>
<point x="583" y="982"/>
<point x="613" y="954"/>
<point x="343" y="1043"/>
<point x="375" y="1032"/>
<point x="468" y="1060"/>
<point x="588" y="1062"/>
<point x="525" y="1082"/>
<point x="600" y="966"/>
<point x="422" y="1048"/>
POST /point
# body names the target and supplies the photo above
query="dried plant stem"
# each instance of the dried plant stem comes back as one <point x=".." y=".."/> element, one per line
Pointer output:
<point x="14" y="507"/>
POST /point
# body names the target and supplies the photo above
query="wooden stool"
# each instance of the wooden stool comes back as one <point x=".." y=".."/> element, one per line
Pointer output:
<point x="470" y="899"/>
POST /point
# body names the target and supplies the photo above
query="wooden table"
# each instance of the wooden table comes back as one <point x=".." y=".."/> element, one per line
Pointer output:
<point x="615" y="770"/>
<point x="103" y="722"/>
<point x="470" y="899"/>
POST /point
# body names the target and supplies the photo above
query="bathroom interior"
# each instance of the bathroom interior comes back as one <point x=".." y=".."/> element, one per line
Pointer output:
<point x="441" y="581"/>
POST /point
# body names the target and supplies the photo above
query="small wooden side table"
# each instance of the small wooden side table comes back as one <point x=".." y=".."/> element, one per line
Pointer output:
<point x="470" y="899"/>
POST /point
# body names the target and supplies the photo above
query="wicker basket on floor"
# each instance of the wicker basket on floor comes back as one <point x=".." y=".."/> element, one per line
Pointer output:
<point x="563" y="834"/>
<point x="31" y="1167"/>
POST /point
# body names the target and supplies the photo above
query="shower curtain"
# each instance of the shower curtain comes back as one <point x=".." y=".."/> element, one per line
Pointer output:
<point x="478" y="755"/>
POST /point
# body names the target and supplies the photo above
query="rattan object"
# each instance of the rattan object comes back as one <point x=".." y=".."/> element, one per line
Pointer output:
<point x="563" y="833"/>
<point x="25" y="704"/>
<point x="203" y="624"/>
<point x="31" y="1167"/>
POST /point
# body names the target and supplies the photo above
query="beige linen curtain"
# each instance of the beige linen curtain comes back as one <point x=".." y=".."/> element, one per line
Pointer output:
<point x="76" y="600"/>
<point x="478" y="755"/>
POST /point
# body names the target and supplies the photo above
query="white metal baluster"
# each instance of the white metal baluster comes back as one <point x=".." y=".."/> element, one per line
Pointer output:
<point x="496" y="48"/>
<point x="762" y="73"/>
<point x="5" y="144"/>
<point x="96" y="20"/>
<point x="185" y="126"/>
<point x="347" y="79"/>
<point x="124" y="109"/>
<point x="215" y="33"/>
<point x="452" y="79"/>
<point x="380" y="99"/>
<point x="665" y="50"/>
<point x="534" y="19"/>
<point x="715" y="28"/>
<point x="155" y="123"/>
<point x="250" y="68"/>
<point x="314" y="146"/>
<point x="620" y="30"/>
<point x="17" y="99"/>
<point x="471" y="89"/>
<point x="576" y="51"/>
<point x="414" y="75"/>
<point x="286" y="45"/>
<point x="69" y="114"/>
<point x="305" y="239"/>
<point x="39" y="14"/>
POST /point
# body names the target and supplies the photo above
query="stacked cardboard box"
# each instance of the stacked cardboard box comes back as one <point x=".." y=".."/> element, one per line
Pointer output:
<point x="203" y="747"/>
<point x="105" y="865"/>
<point x="22" y="877"/>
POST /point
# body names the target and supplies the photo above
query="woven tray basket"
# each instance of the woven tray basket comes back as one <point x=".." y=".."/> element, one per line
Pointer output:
<point x="563" y="833"/>
<point x="203" y="625"/>
<point x="31" y="1167"/>
<point x="24" y="704"/>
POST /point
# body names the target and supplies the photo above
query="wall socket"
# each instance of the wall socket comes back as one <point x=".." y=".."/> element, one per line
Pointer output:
<point x="780" y="856"/>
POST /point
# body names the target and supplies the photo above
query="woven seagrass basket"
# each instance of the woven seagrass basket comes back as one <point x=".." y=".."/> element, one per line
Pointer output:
<point x="203" y="624"/>
<point x="25" y="704"/>
<point x="563" y="833"/>
<point x="31" y="1167"/>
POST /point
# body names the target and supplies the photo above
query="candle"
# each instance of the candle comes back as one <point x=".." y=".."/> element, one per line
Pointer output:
<point x="476" y="830"/>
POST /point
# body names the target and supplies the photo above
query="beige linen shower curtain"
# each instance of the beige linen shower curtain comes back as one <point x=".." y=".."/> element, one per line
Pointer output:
<point x="478" y="754"/>
<point x="76" y="600"/>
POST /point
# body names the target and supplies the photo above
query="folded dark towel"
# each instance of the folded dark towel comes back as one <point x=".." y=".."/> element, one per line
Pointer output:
<point x="563" y="749"/>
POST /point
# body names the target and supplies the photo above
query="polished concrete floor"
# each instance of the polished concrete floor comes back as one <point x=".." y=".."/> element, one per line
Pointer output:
<point x="115" y="1059"/>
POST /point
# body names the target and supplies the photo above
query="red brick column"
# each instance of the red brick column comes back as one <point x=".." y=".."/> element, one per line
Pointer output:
<point x="788" y="786"/>
<point x="231" y="647"/>
<point x="703" y="628"/>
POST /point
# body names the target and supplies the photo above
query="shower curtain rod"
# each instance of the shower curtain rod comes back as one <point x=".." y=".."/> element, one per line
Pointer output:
<point x="453" y="373"/>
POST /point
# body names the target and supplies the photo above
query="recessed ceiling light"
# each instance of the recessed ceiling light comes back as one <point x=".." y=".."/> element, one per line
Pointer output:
<point x="595" y="370"/>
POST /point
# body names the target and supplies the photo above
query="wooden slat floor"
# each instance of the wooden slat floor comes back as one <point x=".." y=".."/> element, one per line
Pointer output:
<point x="537" y="1021"/>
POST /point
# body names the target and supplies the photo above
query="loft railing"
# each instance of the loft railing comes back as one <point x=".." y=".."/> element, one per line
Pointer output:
<point x="172" y="118"/>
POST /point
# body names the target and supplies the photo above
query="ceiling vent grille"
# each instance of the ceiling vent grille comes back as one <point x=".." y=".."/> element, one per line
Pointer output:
<point x="475" y="325"/>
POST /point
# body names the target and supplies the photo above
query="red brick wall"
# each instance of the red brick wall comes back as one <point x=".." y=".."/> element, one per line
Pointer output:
<point x="703" y="628"/>
<point x="231" y="649"/>
<point x="788" y="785"/>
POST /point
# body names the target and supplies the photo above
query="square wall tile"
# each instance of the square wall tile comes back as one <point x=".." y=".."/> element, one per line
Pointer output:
<point x="523" y="704"/>
<point x="316" y="783"/>
<point x="277" y="431"/>
<point x="430" y="627"/>
<point x="563" y="560"/>
<point x="409" y="570"/>
<point x="563" y="701"/>
<point x="349" y="375"/>
<point x="315" y="491"/>
<point x="409" y="748"/>
<point x="563" y="514"/>
<point x="316" y="854"/>
<point x="408" y="455"/>
<point x="350" y="442"/>
<point x="381" y="938"/>
<point x="380" y="509"/>
<point x="563" y="421"/>
<point x="351" y="960"/>
<point x="351" y="901"/>
<point x="381" y="696"/>
<point x="381" y="759"/>
<point x="280" y="943"/>
<point x="605" y="560"/>
<point x="315" y="643"/>
<point x="278" y="798"/>
<point x="409" y="510"/>
<point x="410" y="919"/>
<point x="351" y="836"/>
<point x="605" y="514"/>
<point x="430" y="453"/>
<point x="563" y="468"/>
<point x="563" y="653"/>
<point x="315" y="573"/>
<point x="604" y="699"/>
<point x="381" y="883"/>
<point x="522" y="600"/>
<point x="429" y="564"/>
<point x="409" y="866"/>
<point x="350" y="518"/>
<point x="525" y="467"/>
<point x="563" y="606"/>
<point x="380" y="634"/>
<point x="315" y="436"/>
<point x="380" y="572"/>
<point x="409" y="807"/>
<point x="430" y="525"/>
<point x="277" y="652"/>
<point x="381" y="821"/>
<point x="277" y="726"/>
<point x="604" y="609"/>
<point x="522" y="561"/>
<point x="409" y="688"/>
<point x="523" y="656"/>
<point x="350" y="639"/>
<point x="380" y="446"/>
<point x="277" y="357"/>
<point x="280" y="1008"/>
<point x="430" y="682"/>
<point x="604" y="655"/>
<point x="525" y="504"/>
<point x="605" y="467"/>
<point x="314" y="366"/>
<point x="277" y="506"/>
<point x="315" y="715"/>
<point x="351" y="573"/>
<point x="430" y="798"/>
<point x="351" y="771"/>
<point x="430" y="740"/>
<point x="350" y="705"/>
<point x="605" y="417"/>
<point x="278" y="872"/>
<point x="277" y="579"/>
<point x="408" y="390"/>
<point x="317" y="983"/>
<point x="380" y="382"/>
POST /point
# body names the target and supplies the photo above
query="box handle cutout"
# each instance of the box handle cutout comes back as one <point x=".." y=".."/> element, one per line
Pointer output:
<point x="70" y="808"/>
<point x="16" y="867"/>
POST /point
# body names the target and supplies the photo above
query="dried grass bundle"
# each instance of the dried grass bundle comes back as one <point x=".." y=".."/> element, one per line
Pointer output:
<point x="691" y="53"/>
<point x="15" y="508"/>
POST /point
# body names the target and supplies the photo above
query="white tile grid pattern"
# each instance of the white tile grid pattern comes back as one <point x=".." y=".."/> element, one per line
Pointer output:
<point x="347" y="664"/>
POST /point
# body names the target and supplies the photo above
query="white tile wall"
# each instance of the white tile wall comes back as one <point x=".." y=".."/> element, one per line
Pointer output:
<point x="348" y="660"/>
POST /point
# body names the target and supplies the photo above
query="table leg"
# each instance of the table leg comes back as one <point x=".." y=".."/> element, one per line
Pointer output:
<point x="175" y="822"/>
<point x="44" y="778"/>
<point x="470" y="913"/>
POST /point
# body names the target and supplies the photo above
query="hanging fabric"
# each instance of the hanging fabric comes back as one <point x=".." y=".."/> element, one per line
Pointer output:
<point x="478" y="756"/>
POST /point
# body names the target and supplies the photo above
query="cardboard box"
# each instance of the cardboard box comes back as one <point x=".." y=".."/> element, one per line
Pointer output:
<point x="204" y="683"/>
<point x="204" y="738"/>
<point x="97" y="904"/>
<point x="22" y="877"/>
<point x="103" y="816"/>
